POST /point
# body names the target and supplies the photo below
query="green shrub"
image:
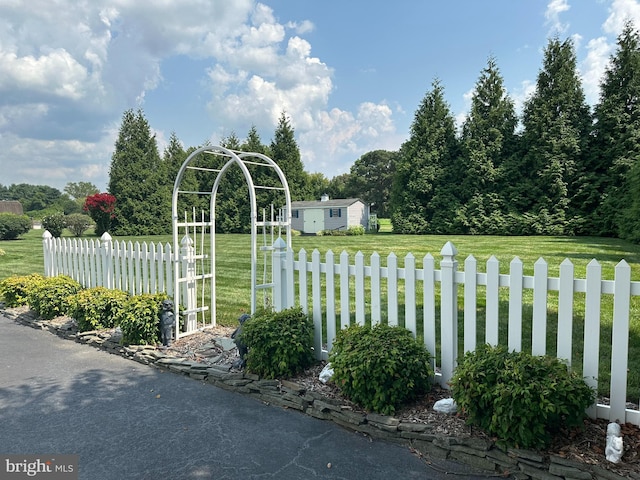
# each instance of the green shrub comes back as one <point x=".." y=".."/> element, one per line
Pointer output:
<point x="12" y="225"/>
<point x="78" y="223"/>
<point x="380" y="368"/>
<point x="355" y="230"/>
<point x="54" y="223"/>
<point x="139" y="319"/>
<point x="49" y="297"/>
<point x="95" y="308"/>
<point x="15" y="290"/>
<point x="280" y="343"/>
<point x="520" y="398"/>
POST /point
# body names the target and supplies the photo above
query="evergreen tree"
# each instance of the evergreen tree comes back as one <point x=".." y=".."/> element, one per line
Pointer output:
<point x="233" y="209"/>
<point x="370" y="179"/>
<point x="613" y="178"/>
<point x="556" y="123"/>
<point x="136" y="179"/>
<point x="173" y="157"/>
<point x="488" y="139"/>
<point x="423" y="198"/>
<point x="285" y="152"/>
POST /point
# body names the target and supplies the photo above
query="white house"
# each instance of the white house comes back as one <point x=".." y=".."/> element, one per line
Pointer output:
<point x="314" y="216"/>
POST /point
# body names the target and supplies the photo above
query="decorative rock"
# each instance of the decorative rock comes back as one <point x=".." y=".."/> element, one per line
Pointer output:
<point x="615" y="445"/>
<point x="446" y="405"/>
<point x="326" y="374"/>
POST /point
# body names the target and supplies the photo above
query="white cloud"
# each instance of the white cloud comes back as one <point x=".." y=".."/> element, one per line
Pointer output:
<point x="593" y="67"/>
<point x="619" y="12"/>
<point x="554" y="9"/>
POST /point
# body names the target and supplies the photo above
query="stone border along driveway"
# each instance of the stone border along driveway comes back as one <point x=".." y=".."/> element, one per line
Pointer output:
<point x="475" y="452"/>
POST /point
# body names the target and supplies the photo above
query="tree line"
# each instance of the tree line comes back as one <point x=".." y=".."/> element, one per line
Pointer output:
<point x="557" y="169"/>
<point x="560" y="169"/>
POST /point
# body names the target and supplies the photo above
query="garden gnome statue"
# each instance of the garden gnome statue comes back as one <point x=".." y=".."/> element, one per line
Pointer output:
<point x="615" y="445"/>
<point x="167" y="321"/>
<point x="242" y="348"/>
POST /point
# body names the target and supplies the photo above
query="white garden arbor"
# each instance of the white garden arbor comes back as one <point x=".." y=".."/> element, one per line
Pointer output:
<point x="194" y="244"/>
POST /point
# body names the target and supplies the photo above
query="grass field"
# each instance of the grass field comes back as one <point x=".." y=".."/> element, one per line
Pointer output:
<point x="25" y="256"/>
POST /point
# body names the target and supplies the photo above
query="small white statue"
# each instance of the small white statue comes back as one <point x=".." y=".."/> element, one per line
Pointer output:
<point x="615" y="445"/>
<point x="446" y="405"/>
<point x="326" y="373"/>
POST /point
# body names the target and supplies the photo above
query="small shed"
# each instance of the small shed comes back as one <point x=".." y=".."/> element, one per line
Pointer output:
<point x="311" y="217"/>
<point x="11" y="206"/>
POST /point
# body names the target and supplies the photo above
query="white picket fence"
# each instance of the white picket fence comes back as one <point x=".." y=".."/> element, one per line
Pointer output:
<point x="359" y="289"/>
<point x="132" y="267"/>
<point x="339" y="289"/>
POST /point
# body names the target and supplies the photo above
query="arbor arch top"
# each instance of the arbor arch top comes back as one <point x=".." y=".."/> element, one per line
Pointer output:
<point x="213" y="162"/>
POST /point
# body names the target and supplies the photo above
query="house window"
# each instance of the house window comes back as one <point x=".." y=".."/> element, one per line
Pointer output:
<point x="335" y="212"/>
<point x="295" y="214"/>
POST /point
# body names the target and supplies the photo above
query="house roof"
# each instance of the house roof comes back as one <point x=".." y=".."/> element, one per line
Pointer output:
<point x="333" y="203"/>
<point x="11" y="206"/>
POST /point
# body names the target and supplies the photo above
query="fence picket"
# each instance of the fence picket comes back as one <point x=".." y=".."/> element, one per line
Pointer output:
<point x="592" y="302"/>
<point x="359" y="289"/>
<point x="376" y="301"/>
<point x="429" y="306"/>
<point x="470" y="302"/>
<point x="410" y="293"/>
<point x="392" y="289"/>
<point x="515" y="304"/>
<point x="345" y="316"/>
<point x="539" y="328"/>
<point x="565" y="311"/>
<point x="493" y="301"/>
<point x="330" y="279"/>
<point x="620" y="342"/>
<point x="302" y="280"/>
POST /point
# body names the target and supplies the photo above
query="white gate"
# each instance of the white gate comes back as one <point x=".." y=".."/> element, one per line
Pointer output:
<point x="194" y="233"/>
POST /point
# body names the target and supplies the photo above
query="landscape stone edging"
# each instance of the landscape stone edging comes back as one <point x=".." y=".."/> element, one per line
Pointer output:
<point x="475" y="452"/>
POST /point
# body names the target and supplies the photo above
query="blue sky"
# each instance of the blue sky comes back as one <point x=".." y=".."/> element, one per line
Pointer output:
<point x="350" y="74"/>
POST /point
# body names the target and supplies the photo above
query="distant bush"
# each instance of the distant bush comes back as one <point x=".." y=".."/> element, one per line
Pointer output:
<point x="12" y="225"/>
<point x="54" y="223"/>
<point x="96" y="308"/>
<point x="50" y="297"/>
<point x="520" y="398"/>
<point x="78" y="223"/>
<point x="15" y="290"/>
<point x="380" y="368"/>
<point x="101" y="208"/>
<point x="355" y="230"/>
<point x="139" y="319"/>
<point x="332" y="233"/>
<point x="280" y="343"/>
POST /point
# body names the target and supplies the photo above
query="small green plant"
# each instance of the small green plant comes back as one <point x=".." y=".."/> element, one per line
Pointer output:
<point x="49" y="298"/>
<point x="15" y="290"/>
<point x="355" y="230"/>
<point x="139" y="319"/>
<point x="95" y="308"/>
<point x="520" y="398"/>
<point x="280" y="343"/>
<point x="78" y="223"/>
<point x="380" y="368"/>
<point x="12" y="225"/>
<point x="54" y="223"/>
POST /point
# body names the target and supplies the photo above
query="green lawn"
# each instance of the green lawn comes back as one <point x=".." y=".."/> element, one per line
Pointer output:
<point x="24" y="256"/>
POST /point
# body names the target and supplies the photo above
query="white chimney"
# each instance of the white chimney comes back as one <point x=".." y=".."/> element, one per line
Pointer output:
<point x="324" y="197"/>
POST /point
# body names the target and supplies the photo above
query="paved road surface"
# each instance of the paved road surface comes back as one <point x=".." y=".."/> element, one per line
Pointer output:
<point x="130" y="421"/>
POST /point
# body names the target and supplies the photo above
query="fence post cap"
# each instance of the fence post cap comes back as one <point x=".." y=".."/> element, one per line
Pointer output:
<point x="186" y="241"/>
<point x="47" y="235"/>
<point x="279" y="244"/>
<point x="105" y="237"/>
<point x="449" y="250"/>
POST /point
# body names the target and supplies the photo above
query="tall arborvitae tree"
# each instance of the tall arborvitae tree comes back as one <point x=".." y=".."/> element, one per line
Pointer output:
<point x="371" y="177"/>
<point x="285" y="152"/>
<point x="423" y="198"/>
<point x="616" y="144"/>
<point x="556" y="123"/>
<point x="263" y="176"/>
<point x="173" y="157"/>
<point x="136" y="178"/>
<point x="233" y="209"/>
<point x="488" y="140"/>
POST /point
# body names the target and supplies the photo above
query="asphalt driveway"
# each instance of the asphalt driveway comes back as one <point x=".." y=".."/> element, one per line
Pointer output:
<point x="129" y="421"/>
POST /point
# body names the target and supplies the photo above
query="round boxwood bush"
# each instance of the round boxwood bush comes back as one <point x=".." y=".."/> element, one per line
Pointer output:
<point x="280" y="343"/>
<point x="12" y="225"/>
<point x="521" y="399"/>
<point x="380" y="368"/>
<point x="15" y="290"/>
<point x="139" y="319"/>
<point x="95" y="308"/>
<point x="50" y="297"/>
